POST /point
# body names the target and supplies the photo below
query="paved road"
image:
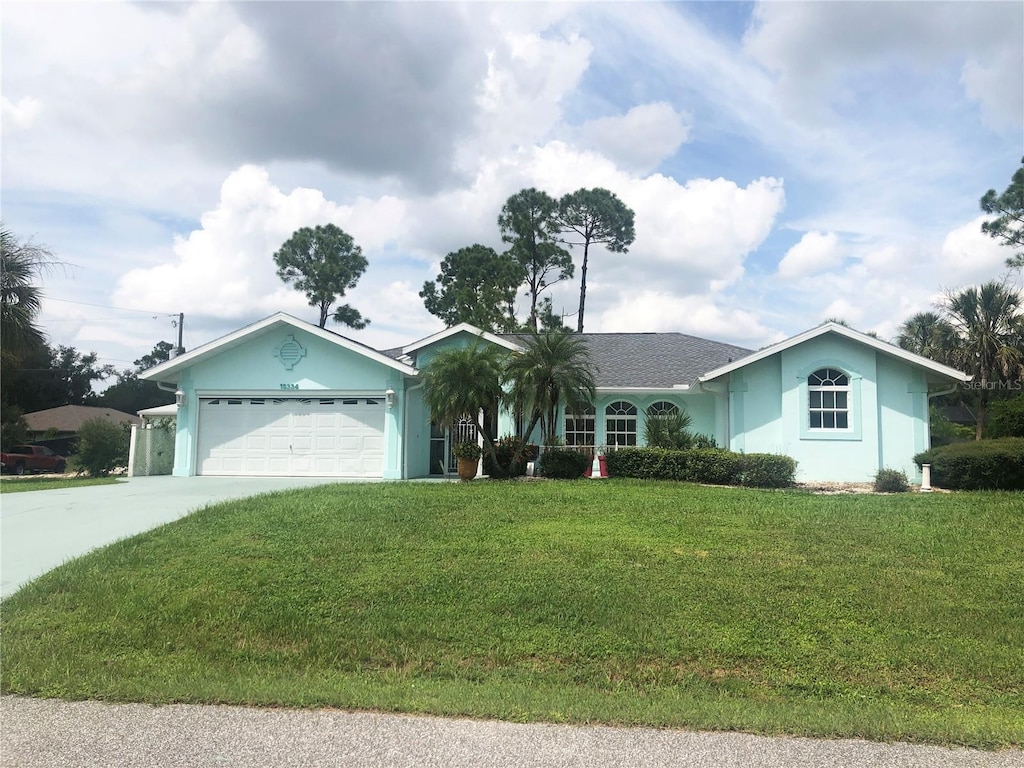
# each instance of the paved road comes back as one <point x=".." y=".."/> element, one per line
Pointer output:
<point x="39" y="530"/>
<point x="56" y="734"/>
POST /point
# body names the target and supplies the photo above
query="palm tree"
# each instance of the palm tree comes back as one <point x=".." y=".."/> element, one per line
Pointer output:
<point x="20" y="297"/>
<point x="928" y="334"/>
<point x="462" y="383"/>
<point x="988" y="324"/>
<point x="554" y="367"/>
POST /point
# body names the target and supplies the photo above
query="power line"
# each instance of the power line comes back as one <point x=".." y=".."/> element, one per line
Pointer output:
<point x="108" y="306"/>
<point x="99" y="319"/>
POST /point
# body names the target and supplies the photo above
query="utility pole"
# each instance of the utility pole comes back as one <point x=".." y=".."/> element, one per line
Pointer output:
<point x="180" y="349"/>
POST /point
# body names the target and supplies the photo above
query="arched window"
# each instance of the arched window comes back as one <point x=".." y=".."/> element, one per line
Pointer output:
<point x="662" y="408"/>
<point x="620" y="423"/>
<point x="828" y="391"/>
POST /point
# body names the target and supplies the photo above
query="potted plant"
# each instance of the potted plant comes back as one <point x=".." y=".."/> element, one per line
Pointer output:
<point x="468" y="456"/>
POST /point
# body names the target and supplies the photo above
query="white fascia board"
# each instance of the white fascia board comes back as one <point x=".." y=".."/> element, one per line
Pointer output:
<point x="158" y="411"/>
<point x="461" y="328"/>
<point x="169" y="370"/>
<point x="849" y="333"/>
<point x="641" y="390"/>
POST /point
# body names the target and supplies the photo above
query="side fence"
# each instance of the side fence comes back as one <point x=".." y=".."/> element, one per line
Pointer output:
<point x="151" y="451"/>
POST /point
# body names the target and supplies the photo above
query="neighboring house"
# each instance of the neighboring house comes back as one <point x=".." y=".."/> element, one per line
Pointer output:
<point x="57" y="428"/>
<point x="285" y="397"/>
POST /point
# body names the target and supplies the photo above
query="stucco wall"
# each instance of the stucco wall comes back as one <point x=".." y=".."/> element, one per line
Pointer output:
<point x="702" y="407"/>
<point x="254" y="367"/>
<point x="903" y="409"/>
<point x="768" y="411"/>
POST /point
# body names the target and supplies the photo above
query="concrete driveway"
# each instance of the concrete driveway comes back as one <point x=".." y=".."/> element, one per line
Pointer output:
<point x="39" y="530"/>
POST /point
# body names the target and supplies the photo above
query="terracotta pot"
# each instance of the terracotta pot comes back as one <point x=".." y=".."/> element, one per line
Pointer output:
<point x="467" y="468"/>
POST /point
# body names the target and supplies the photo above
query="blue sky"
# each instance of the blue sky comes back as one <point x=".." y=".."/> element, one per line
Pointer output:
<point x="787" y="162"/>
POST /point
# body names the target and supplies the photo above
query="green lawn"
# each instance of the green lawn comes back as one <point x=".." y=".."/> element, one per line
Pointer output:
<point x="884" y="617"/>
<point x="49" y="483"/>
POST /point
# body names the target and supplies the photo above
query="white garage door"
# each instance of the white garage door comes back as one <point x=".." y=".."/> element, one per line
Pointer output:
<point x="315" y="437"/>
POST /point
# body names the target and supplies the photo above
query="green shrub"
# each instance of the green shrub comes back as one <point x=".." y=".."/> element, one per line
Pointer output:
<point x="711" y="466"/>
<point x="563" y="463"/>
<point x="768" y="470"/>
<point x="102" y="447"/>
<point x="891" y="481"/>
<point x="700" y="440"/>
<point x="668" y="430"/>
<point x="980" y="465"/>
<point x="505" y="449"/>
<point x="647" y="463"/>
<point x="1006" y="418"/>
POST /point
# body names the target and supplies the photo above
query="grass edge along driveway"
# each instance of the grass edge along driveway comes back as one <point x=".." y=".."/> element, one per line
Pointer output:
<point x="52" y="482"/>
<point x="660" y="604"/>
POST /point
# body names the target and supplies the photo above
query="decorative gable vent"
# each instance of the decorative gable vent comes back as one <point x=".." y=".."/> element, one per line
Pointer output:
<point x="290" y="352"/>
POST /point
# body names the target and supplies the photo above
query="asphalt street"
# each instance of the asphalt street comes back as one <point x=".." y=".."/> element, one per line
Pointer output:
<point x="39" y="733"/>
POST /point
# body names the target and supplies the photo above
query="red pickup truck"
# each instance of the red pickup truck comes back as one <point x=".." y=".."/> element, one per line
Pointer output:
<point x="20" y="459"/>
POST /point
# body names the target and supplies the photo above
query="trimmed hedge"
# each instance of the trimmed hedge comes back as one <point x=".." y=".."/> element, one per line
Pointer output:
<point x="563" y="463"/>
<point x="981" y="465"/>
<point x="767" y="470"/>
<point x="713" y="466"/>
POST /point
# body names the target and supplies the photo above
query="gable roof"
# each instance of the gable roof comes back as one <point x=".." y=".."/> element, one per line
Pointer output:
<point x="505" y="340"/>
<point x="172" y="367"/>
<point x="653" y="360"/>
<point x="841" y="330"/>
<point x="69" y="418"/>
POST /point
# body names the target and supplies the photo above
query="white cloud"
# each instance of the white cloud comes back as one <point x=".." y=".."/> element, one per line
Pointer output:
<point x="20" y="115"/>
<point x="701" y="230"/>
<point x="998" y="87"/>
<point x="816" y="252"/>
<point x="640" y="139"/>
<point x="520" y="99"/>
<point x="969" y="256"/>
<point x="817" y="49"/>
<point x="224" y="270"/>
<point x="660" y="311"/>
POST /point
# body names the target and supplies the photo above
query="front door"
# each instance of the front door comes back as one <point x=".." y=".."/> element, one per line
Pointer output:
<point x="442" y="460"/>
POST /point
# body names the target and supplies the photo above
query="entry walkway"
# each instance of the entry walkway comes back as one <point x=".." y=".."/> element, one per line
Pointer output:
<point x="39" y="530"/>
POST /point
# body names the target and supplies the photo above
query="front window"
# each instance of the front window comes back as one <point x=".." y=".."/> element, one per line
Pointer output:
<point x="828" y="391"/>
<point x="620" y="423"/>
<point x="580" y="428"/>
<point x="662" y="408"/>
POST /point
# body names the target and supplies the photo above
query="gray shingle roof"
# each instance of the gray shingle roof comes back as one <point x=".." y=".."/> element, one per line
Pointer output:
<point x="654" y="359"/>
<point x="645" y="359"/>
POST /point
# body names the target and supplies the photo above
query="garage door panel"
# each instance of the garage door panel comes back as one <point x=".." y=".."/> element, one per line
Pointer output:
<point x="291" y="437"/>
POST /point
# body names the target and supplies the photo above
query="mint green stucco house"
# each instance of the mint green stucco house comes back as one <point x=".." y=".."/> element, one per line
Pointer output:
<point x="285" y="397"/>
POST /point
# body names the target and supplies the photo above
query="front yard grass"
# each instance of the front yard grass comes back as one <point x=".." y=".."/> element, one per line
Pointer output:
<point x="635" y="603"/>
<point x="49" y="483"/>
